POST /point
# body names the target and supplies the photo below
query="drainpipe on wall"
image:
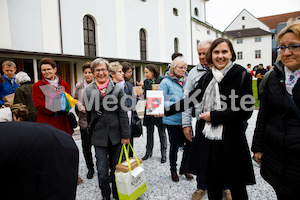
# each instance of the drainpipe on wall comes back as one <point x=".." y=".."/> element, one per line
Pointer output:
<point x="60" y="28"/>
<point x="192" y="52"/>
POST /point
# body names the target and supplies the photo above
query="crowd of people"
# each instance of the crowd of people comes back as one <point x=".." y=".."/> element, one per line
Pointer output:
<point x="217" y="91"/>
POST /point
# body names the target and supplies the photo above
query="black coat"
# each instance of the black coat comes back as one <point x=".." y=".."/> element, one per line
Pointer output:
<point x="227" y="160"/>
<point x="148" y="119"/>
<point x="38" y="161"/>
<point x="277" y="135"/>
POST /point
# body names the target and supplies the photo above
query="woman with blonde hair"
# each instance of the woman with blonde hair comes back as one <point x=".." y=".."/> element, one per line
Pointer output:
<point x="173" y="85"/>
<point x="276" y="140"/>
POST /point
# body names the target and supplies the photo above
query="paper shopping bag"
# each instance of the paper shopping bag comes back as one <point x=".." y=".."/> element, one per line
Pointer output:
<point x="131" y="184"/>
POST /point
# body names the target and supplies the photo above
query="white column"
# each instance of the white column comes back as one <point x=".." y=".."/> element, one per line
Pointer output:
<point x="35" y="71"/>
<point x="72" y="77"/>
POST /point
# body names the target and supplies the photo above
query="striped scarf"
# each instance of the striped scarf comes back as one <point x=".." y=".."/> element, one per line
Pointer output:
<point x="180" y="80"/>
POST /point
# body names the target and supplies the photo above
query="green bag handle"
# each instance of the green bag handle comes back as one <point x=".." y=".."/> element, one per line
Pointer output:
<point x="126" y="155"/>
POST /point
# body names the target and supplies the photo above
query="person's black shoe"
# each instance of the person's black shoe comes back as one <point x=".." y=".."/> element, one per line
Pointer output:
<point x="146" y="157"/>
<point x="90" y="173"/>
<point x="163" y="159"/>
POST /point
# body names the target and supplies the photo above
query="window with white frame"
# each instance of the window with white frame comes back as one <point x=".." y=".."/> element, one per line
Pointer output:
<point x="239" y="41"/>
<point x="257" y="54"/>
<point x="89" y="36"/>
<point x="196" y="12"/>
<point x="176" y="45"/>
<point x="240" y="55"/>
<point x="208" y="32"/>
<point x="257" y="39"/>
<point x="243" y="17"/>
<point x="243" y="26"/>
<point x="175" y="11"/>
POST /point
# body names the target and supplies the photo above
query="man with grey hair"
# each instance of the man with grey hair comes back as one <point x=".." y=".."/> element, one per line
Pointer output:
<point x="9" y="85"/>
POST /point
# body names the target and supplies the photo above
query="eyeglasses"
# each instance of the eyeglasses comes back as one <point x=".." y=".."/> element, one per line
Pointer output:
<point x="47" y="70"/>
<point x="182" y="68"/>
<point x="292" y="47"/>
<point x="100" y="70"/>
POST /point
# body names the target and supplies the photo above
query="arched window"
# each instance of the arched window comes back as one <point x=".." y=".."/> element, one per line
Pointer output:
<point x="176" y="45"/>
<point x="175" y="11"/>
<point x="196" y="12"/>
<point x="89" y="36"/>
<point x="143" y="44"/>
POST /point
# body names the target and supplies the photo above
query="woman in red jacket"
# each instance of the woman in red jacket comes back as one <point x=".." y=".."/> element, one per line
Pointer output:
<point x="46" y="95"/>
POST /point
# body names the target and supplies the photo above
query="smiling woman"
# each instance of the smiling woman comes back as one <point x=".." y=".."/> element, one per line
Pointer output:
<point x="46" y="96"/>
<point x="276" y="140"/>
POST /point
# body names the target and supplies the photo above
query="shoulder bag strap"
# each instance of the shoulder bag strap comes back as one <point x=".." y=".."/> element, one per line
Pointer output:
<point x="292" y="103"/>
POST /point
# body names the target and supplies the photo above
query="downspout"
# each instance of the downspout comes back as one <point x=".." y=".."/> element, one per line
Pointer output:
<point x="60" y="28"/>
<point x="192" y="52"/>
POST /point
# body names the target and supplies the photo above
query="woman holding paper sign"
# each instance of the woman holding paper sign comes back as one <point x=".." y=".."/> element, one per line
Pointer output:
<point x="153" y="78"/>
<point x="173" y="86"/>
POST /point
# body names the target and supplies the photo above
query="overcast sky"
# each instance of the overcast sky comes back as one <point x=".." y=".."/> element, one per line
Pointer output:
<point x="220" y="13"/>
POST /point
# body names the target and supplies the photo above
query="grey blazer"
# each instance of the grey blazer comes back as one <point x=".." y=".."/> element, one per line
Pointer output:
<point x="113" y="123"/>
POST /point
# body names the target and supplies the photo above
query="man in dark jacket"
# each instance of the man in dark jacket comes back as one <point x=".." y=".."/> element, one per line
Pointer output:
<point x="259" y="74"/>
<point x="38" y="161"/>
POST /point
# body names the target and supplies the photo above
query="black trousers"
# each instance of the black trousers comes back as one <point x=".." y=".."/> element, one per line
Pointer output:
<point x="87" y="148"/>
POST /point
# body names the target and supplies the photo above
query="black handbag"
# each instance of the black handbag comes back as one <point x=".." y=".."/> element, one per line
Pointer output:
<point x="72" y="120"/>
<point x="136" y="125"/>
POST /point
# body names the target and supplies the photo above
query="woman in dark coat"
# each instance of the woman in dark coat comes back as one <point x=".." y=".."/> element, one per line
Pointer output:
<point x="276" y="140"/>
<point x="220" y="154"/>
<point x="153" y="77"/>
<point x="23" y="94"/>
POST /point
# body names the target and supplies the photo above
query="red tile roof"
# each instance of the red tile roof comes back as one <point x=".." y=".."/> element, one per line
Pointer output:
<point x="274" y="20"/>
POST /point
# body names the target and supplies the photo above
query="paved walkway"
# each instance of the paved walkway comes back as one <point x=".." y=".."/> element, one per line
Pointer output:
<point x="159" y="183"/>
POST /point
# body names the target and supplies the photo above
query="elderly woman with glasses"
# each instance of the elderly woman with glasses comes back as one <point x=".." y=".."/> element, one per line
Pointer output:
<point x="173" y="85"/>
<point x="276" y="140"/>
<point x="111" y="128"/>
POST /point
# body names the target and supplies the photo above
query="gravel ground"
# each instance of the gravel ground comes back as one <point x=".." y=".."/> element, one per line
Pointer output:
<point x="159" y="183"/>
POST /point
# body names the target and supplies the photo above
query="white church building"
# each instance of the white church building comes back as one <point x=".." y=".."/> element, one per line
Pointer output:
<point x="73" y="32"/>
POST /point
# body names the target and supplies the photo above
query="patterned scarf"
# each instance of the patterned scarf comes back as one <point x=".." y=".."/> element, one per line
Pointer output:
<point x="53" y="83"/>
<point x="180" y="80"/>
<point x="211" y="101"/>
<point x="291" y="79"/>
<point x="102" y="88"/>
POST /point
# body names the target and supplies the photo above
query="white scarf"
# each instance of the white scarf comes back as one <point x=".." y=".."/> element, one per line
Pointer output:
<point x="211" y="101"/>
<point x="54" y="83"/>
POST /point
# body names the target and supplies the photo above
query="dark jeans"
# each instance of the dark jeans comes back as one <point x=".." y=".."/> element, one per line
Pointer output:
<point x="177" y="139"/>
<point x="150" y="139"/>
<point x="107" y="158"/>
<point x="87" y="148"/>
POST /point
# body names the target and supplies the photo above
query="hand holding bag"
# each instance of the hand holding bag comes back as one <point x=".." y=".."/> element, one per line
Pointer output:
<point x="130" y="176"/>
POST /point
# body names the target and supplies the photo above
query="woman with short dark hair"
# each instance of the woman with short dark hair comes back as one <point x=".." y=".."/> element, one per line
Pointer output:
<point x="80" y="109"/>
<point x="46" y="96"/>
<point x="153" y="77"/>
